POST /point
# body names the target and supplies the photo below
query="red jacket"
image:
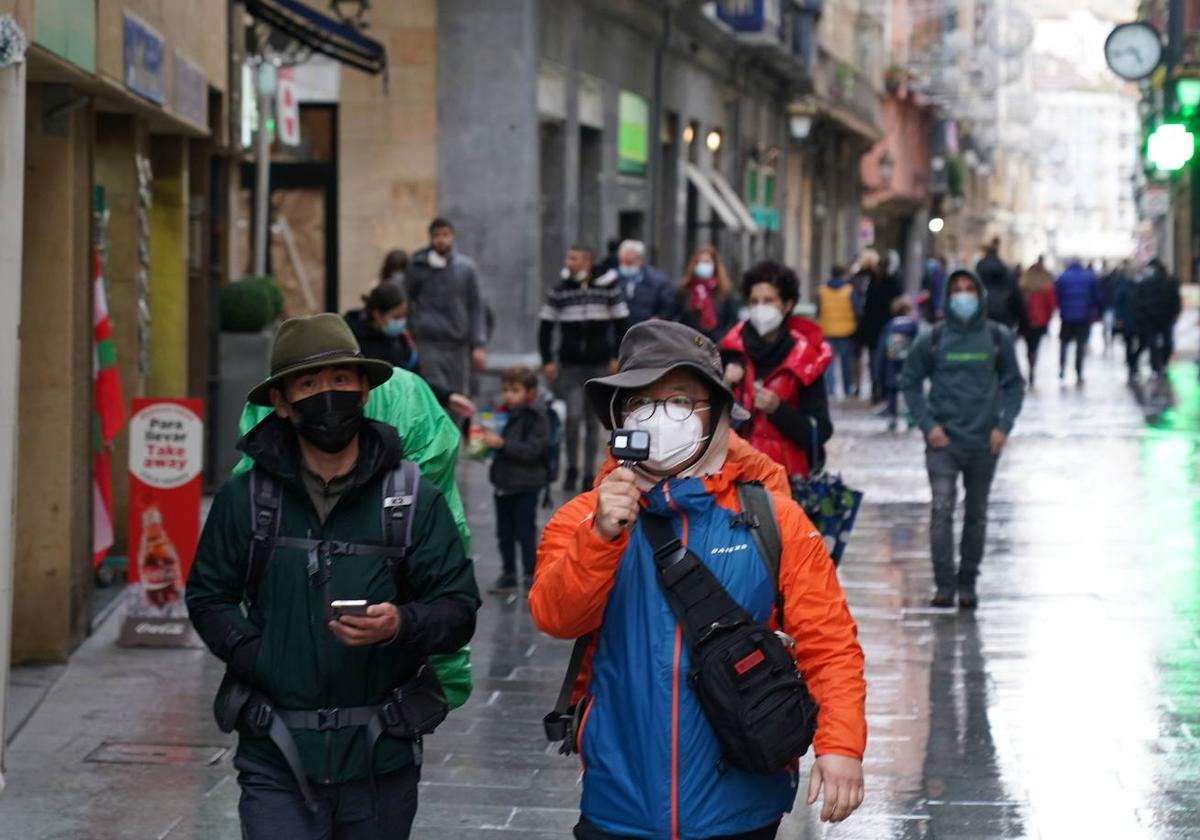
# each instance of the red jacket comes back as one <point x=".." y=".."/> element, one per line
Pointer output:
<point x="803" y="366"/>
<point x="1040" y="306"/>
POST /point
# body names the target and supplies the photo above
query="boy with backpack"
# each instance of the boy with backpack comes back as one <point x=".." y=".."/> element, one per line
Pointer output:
<point x="519" y="472"/>
<point x="897" y="339"/>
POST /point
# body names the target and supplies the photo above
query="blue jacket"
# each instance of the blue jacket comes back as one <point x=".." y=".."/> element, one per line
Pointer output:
<point x="1080" y="299"/>
<point x="652" y="763"/>
<point x="649" y="295"/>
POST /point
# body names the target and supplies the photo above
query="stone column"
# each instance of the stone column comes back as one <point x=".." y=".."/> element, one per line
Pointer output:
<point x="12" y="184"/>
<point x="54" y="489"/>
<point x="168" y="266"/>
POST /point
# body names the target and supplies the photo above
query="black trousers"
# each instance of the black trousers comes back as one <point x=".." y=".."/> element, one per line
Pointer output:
<point x="586" y="831"/>
<point x="1079" y="334"/>
<point x="1033" y="341"/>
<point x="516" y="524"/>
<point x="272" y="807"/>
<point x="1160" y="344"/>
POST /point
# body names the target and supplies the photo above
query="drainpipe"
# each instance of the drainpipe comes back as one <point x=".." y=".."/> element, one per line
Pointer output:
<point x="654" y="131"/>
<point x="12" y="210"/>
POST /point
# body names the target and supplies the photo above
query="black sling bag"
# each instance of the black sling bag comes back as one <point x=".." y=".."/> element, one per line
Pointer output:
<point x="742" y="672"/>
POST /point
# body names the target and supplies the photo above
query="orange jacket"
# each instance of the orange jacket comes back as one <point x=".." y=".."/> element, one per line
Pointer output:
<point x="576" y="570"/>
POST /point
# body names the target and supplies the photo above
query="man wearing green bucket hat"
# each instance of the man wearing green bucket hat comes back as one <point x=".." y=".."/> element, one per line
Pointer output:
<point x="325" y="579"/>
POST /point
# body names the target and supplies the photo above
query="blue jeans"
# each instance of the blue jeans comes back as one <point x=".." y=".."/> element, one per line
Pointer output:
<point x="516" y="524"/>
<point x="977" y="467"/>
<point x="843" y="355"/>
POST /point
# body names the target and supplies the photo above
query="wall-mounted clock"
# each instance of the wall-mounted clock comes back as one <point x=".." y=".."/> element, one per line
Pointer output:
<point x="1134" y="50"/>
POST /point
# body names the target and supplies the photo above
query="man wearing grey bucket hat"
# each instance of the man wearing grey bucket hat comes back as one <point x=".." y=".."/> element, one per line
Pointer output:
<point x="653" y="764"/>
<point x="298" y="588"/>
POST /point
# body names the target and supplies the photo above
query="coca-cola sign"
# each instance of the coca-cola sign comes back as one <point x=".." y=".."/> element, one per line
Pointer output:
<point x="166" y="457"/>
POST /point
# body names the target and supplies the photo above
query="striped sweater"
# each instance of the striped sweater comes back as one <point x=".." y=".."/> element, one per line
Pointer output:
<point x="591" y="316"/>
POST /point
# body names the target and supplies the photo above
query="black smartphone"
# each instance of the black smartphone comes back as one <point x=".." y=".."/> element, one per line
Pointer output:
<point x="339" y="608"/>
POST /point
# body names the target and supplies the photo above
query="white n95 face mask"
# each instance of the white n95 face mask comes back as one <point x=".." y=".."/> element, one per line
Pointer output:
<point x="765" y="317"/>
<point x="672" y="442"/>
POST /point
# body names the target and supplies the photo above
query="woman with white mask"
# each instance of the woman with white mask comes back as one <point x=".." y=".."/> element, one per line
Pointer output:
<point x="775" y="363"/>
<point x="653" y="762"/>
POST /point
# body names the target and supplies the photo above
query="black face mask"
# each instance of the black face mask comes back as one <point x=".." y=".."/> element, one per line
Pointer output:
<point x="329" y="420"/>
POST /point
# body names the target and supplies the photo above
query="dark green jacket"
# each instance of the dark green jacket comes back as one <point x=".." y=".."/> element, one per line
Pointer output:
<point x="974" y="386"/>
<point x="283" y="646"/>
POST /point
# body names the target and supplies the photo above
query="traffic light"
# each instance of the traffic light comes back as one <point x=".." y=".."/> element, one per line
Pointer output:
<point x="1170" y="147"/>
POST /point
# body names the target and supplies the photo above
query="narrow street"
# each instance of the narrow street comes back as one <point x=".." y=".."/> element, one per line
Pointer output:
<point x="1068" y="707"/>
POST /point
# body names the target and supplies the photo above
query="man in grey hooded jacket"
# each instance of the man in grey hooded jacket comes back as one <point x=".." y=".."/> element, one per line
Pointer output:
<point x="447" y="317"/>
<point x="975" y="395"/>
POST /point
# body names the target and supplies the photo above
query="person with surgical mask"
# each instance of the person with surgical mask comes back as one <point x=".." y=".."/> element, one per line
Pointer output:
<point x="647" y="290"/>
<point x="449" y="317"/>
<point x="644" y="740"/>
<point x="775" y="362"/>
<point x="707" y="301"/>
<point x="589" y="315"/>
<point x="974" y="396"/>
<point x="381" y="328"/>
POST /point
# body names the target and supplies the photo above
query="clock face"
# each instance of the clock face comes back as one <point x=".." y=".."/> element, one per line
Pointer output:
<point x="1133" y="50"/>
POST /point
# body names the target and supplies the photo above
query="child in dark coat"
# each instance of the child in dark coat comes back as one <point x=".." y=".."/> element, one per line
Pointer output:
<point x="518" y="475"/>
<point x="898" y="337"/>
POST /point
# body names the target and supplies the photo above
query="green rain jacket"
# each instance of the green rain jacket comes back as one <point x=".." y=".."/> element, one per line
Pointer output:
<point x="282" y="646"/>
<point x="430" y="440"/>
<point x="974" y="386"/>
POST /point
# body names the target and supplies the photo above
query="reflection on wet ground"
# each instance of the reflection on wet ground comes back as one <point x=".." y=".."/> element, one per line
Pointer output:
<point x="1067" y="707"/>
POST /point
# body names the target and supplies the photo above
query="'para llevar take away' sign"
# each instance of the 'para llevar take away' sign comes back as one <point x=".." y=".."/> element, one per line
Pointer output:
<point x="166" y="458"/>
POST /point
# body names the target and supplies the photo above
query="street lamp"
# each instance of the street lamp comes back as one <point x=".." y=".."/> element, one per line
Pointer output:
<point x="713" y="141"/>
<point x="887" y="168"/>
<point x="800" y="126"/>
<point x="937" y="224"/>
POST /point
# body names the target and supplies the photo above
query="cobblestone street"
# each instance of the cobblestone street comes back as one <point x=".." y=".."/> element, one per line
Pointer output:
<point x="1068" y="707"/>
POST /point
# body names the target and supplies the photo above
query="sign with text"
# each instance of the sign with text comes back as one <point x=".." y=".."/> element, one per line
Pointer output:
<point x="144" y="60"/>
<point x="191" y="92"/>
<point x="166" y="457"/>
<point x="287" y="110"/>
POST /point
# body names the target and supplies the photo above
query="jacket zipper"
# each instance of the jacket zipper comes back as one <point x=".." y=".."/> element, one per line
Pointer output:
<point x="675" y="686"/>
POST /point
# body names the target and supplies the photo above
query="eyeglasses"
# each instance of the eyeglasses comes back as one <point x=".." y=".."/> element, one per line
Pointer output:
<point x="678" y="407"/>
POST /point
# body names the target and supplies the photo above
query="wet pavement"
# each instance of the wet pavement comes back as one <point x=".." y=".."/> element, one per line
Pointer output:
<point x="1067" y="707"/>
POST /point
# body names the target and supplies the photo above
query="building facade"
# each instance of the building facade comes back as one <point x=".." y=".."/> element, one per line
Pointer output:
<point x="124" y="137"/>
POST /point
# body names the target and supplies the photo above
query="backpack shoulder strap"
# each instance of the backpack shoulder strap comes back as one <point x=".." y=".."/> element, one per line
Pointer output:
<point x="759" y="510"/>
<point x="266" y="502"/>
<point x="401" y="488"/>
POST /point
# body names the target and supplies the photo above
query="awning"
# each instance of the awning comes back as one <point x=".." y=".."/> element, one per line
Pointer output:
<point x="734" y="201"/>
<point x="321" y="34"/>
<point x="700" y="180"/>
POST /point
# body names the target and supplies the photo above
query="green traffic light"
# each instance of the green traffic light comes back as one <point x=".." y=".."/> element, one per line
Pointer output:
<point x="1170" y="147"/>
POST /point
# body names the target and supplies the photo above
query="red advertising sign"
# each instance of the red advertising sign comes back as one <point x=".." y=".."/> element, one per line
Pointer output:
<point x="166" y="457"/>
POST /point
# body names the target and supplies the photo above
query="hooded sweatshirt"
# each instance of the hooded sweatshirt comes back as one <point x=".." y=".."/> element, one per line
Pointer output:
<point x="974" y="385"/>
